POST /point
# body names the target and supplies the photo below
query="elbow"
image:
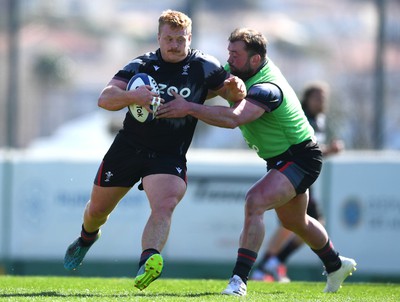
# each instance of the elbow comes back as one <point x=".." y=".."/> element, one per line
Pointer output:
<point x="101" y="103"/>
<point x="233" y="123"/>
<point x="104" y="99"/>
<point x="104" y="102"/>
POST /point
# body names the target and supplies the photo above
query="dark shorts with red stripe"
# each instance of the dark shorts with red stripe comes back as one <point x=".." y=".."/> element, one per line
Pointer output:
<point x="301" y="164"/>
<point x="126" y="163"/>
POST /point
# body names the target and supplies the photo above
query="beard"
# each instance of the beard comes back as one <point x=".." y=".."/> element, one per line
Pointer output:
<point x="244" y="73"/>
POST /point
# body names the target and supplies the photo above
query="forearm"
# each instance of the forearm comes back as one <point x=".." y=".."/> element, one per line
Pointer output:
<point x="220" y="116"/>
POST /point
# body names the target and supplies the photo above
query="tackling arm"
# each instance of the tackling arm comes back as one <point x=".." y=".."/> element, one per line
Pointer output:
<point x="243" y="112"/>
<point x="261" y="98"/>
<point x="227" y="117"/>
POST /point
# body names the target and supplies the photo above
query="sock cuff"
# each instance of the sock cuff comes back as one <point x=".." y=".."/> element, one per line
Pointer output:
<point x="245" y="253"/>
<point x="150" y="251"/>
<point x="88" y="236"/>
<point x="146" y="254"/>
<point x="327" y="247"/>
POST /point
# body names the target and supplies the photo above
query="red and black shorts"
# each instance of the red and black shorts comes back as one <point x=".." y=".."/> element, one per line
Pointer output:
<point x="125" y="164"/>
<point x="301" y="164"/>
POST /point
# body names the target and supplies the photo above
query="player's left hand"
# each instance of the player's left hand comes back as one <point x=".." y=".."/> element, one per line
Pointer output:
<point x="176" y="108"/>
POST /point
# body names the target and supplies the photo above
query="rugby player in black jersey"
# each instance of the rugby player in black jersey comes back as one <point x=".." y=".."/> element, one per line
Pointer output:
<point x="152" y="153"/>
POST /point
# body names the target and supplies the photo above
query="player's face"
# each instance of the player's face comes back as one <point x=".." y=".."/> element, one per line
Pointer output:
<point x="174" y="43"/>
<point x="316" y="102"/>
<point x="239" y="60"/>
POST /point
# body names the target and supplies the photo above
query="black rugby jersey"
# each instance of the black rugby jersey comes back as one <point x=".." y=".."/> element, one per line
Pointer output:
<point x="191" y="78"/>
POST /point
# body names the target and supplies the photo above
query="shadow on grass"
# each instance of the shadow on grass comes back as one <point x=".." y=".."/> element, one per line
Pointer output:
<point x="77" y="295"/>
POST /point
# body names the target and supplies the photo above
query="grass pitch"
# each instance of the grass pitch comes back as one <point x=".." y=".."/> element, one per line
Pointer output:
<point x="14" y="288"/>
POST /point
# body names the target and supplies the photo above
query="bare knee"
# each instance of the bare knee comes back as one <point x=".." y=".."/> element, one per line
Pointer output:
<point x="255" y="203"/>
<point x="164" y="207"/>
<point x="96" y="212"/>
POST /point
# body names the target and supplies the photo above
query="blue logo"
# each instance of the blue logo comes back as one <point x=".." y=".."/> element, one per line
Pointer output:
<point x="351" y="212"/>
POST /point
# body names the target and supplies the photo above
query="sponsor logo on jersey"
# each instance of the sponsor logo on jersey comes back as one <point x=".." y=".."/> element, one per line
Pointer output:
<point x="184" y="92"/>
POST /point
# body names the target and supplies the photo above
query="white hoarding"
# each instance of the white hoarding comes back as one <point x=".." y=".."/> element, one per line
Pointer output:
<point x="48" y="203"/>
<point x="47" y="198"/>
<point x="363" y="210"/>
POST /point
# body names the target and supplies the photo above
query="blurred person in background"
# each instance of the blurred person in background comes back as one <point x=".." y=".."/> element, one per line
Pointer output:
<point x="152" y="153"/>
<point x="274" y="125"/>
<point x="283" y="242"/>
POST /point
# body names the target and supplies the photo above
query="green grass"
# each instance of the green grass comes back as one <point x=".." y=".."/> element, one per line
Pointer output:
<point x="14" y="288"/>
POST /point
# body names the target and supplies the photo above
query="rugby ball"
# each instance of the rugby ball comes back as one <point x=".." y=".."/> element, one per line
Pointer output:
<point x="139" y="112"/>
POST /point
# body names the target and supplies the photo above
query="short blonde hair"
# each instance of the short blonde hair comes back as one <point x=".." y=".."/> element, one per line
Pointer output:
<point x="175" y="19"/>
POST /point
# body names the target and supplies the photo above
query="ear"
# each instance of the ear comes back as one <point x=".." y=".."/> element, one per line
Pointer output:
<point x="255" y="59"/>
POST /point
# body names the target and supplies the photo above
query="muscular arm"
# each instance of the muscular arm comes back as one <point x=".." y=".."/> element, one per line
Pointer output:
<point x="242" y="113"/>
<point x="222" y="116"/>
<point x="115" y="96"/>
<point x="261" y="98"/>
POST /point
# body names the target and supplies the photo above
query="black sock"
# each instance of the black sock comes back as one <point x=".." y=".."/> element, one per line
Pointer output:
<point x="146" y="254"/>
<point x="87" y="239"/>
<point x="289" y="248"/>
<point x="329" y="257"/>
<point x="244" y="262"/>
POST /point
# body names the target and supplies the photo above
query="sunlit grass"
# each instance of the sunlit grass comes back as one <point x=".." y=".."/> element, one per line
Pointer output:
<point x="14" y="288"/>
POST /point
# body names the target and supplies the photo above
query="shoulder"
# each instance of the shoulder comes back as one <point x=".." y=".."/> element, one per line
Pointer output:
<point x="267" y="95"/>
<point x="137" y="64"/>
<point x="207" y="59"/>
<point x="209" y="68"/>
<point x="266" y="88"/>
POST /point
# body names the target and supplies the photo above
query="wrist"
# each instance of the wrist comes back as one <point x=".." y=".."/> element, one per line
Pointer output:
<point x="191" y="108"/>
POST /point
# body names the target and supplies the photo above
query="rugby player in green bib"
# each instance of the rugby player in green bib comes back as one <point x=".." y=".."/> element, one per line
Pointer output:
<point x="273" y="123"/>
